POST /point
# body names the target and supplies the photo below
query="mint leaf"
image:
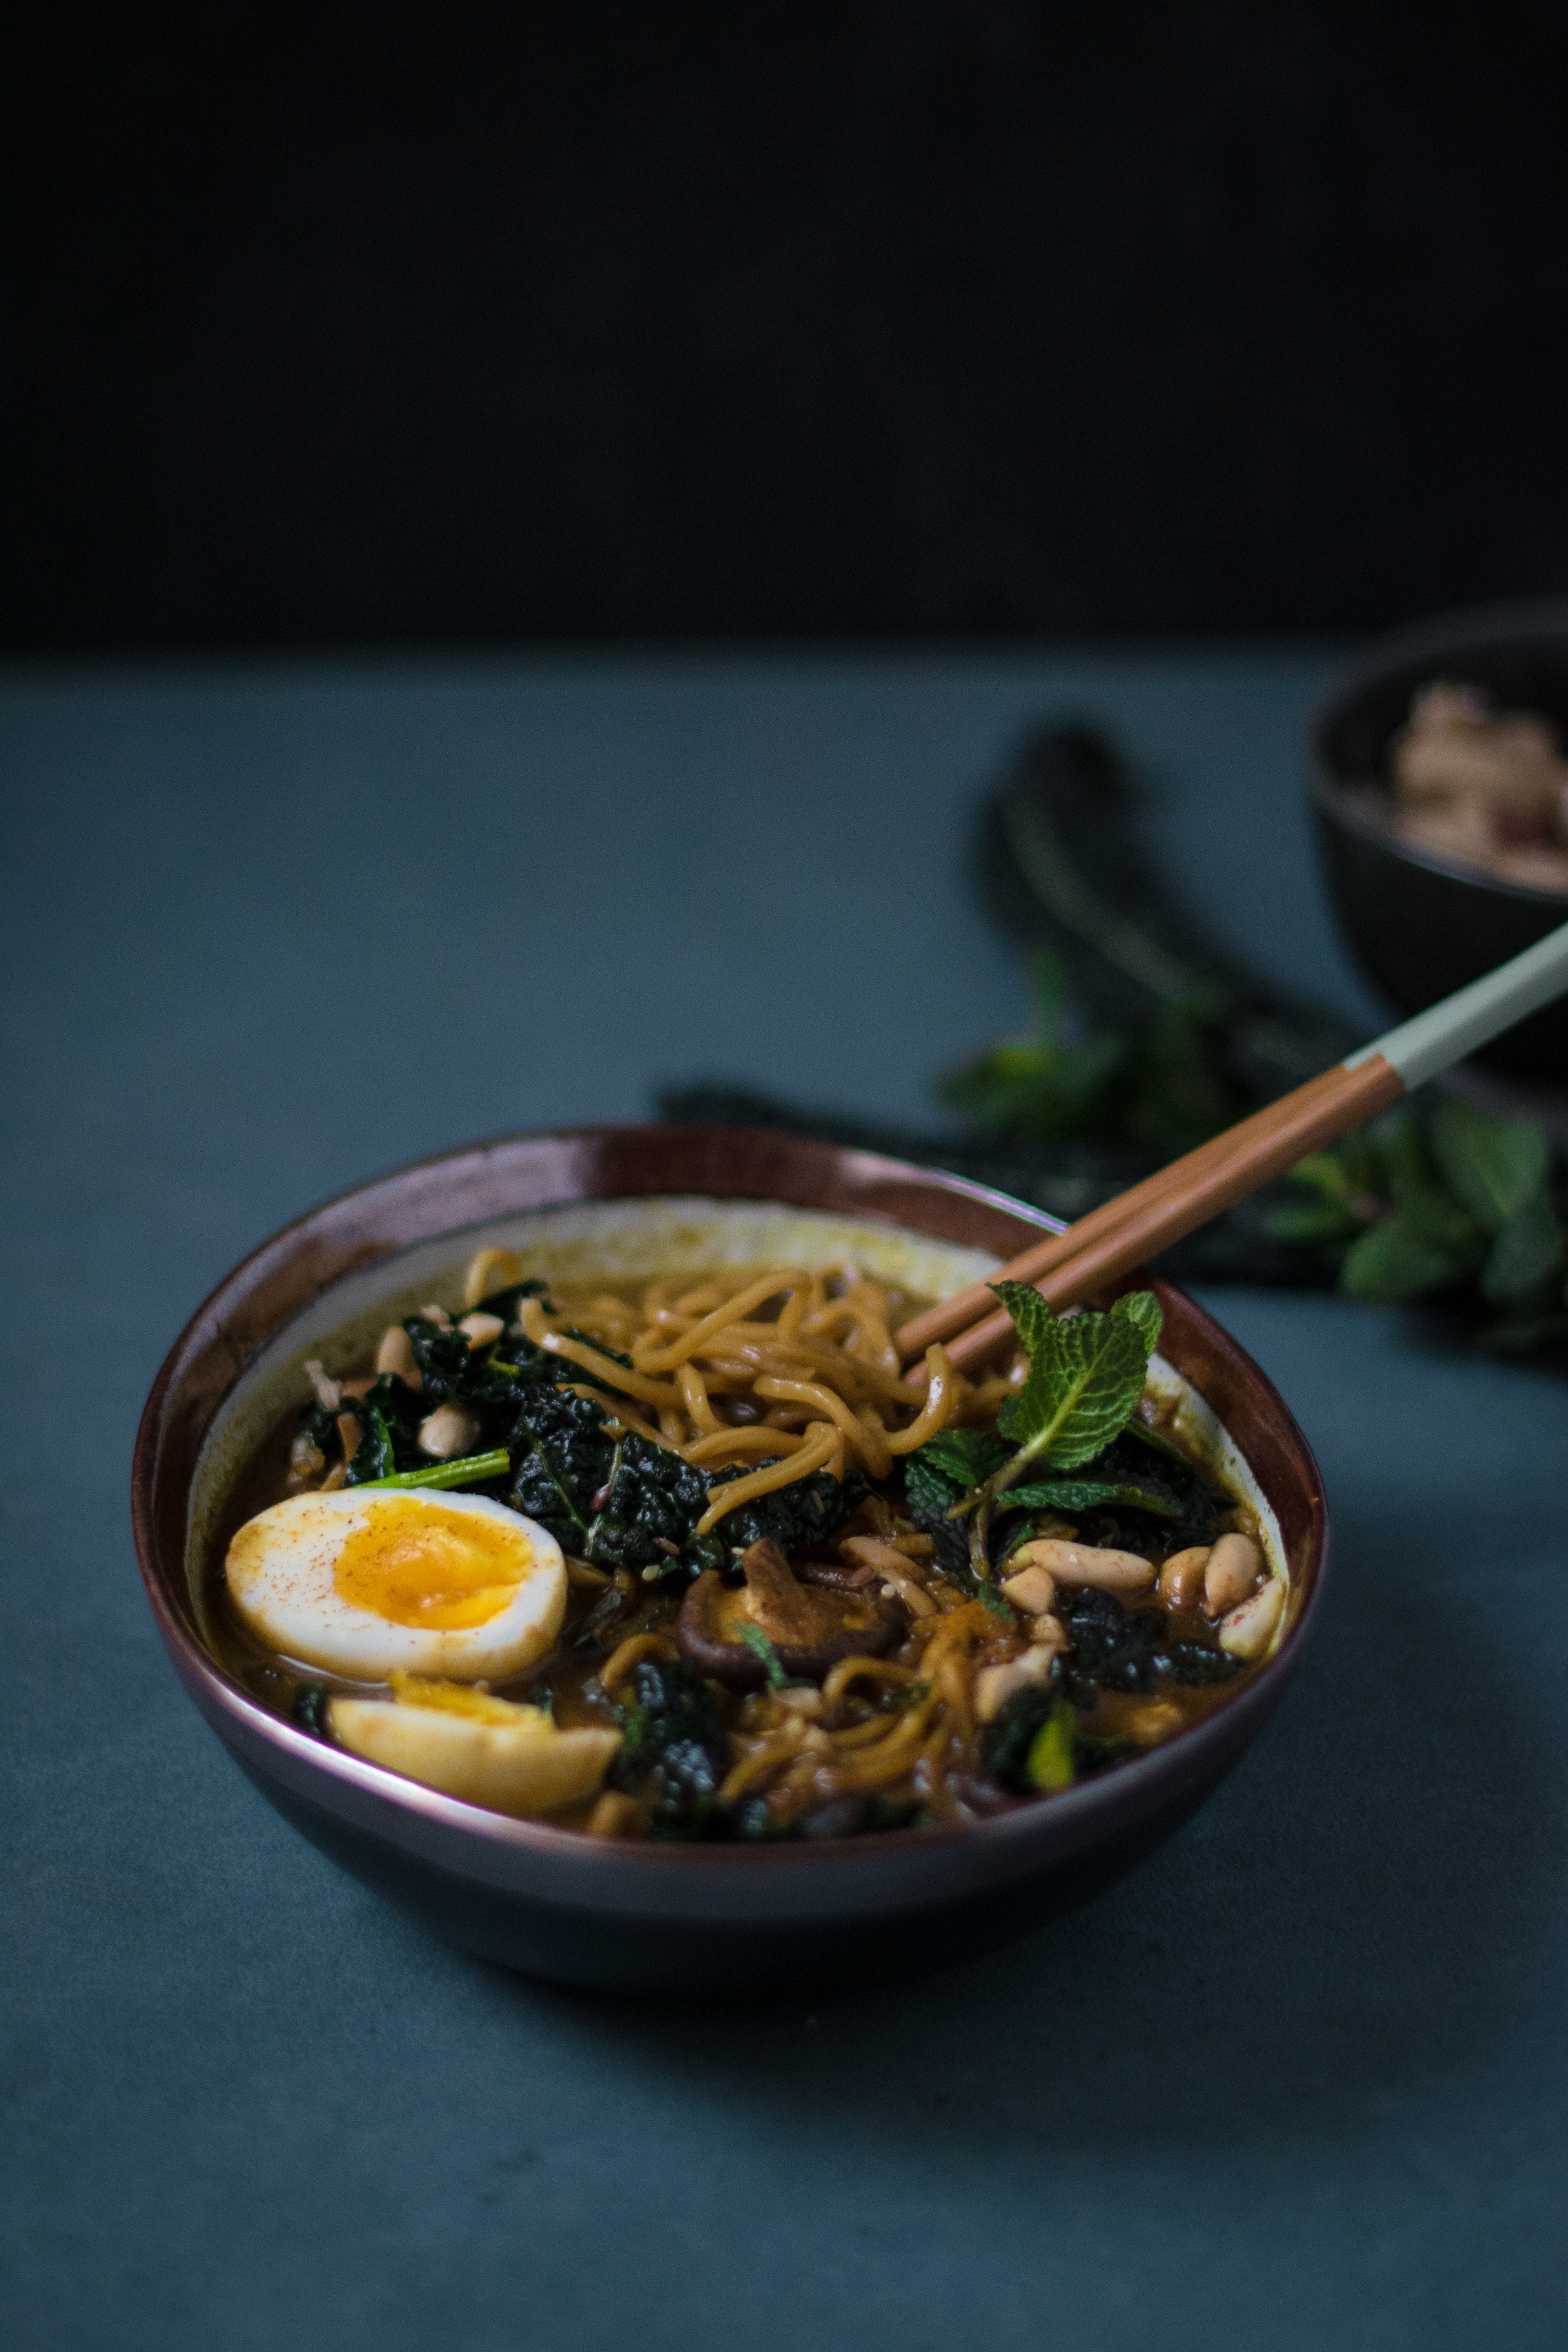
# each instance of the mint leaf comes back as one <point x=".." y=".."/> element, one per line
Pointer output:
<point x="1495" y="1165"/>
<point x="929" y="1496"/>
<point x="1086" y="1376"/>
<point x="997" y="1604"/>
<point x="1143" y="1311"/>
<point x="1312" y="1225"/>
<point x="1409" y="1166"/>
<point x="1428" y="1243"/>
<point x="1527" y="1254"/>
<point x="965" y="1456"/>
<point x="1158" y="1443"/>
<point x="1047" y="1086"/>
<point x="1070" y="1494"/>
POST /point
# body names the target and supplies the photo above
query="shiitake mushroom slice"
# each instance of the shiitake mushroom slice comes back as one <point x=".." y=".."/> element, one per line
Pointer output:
<point x="810" y="1627"/>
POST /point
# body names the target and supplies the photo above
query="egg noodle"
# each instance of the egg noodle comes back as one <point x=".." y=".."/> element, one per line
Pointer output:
<point x="820" y="1385"/>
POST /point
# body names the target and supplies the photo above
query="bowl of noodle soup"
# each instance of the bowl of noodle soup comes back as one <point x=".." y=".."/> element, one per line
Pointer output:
<point x="640" y="1223"/>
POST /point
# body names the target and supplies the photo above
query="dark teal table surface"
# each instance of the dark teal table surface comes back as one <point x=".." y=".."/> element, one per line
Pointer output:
<point x="1299" y="2082"/>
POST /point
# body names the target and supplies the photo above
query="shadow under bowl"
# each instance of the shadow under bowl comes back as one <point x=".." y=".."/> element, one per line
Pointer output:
<point x="1419" y="925"/>
<point x="638" y="1915"/>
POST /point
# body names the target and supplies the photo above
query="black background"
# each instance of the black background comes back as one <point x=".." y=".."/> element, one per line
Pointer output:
<point x="919" y="319"/>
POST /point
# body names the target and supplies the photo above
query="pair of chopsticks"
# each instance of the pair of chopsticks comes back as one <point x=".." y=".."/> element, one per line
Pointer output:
<point x="1095" y="1253"/>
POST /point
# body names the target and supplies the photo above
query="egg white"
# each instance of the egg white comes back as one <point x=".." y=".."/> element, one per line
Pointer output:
<point x="282" y="1567"/>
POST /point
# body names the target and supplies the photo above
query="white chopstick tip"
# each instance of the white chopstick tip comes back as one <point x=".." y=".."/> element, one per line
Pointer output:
<point x="1473" y="1016"/>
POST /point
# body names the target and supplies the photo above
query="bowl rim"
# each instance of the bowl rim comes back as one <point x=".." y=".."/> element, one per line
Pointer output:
<point x="1190" y="1759"/>
<point x="1521" y="621"/>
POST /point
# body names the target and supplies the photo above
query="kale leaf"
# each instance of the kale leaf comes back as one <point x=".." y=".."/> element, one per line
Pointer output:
<point x="320" y="1426"/>
<point x="799" y="1519"/>
<point x="628" y="1503"/>
<point x="1194" y="1664"/>
<point x="654" y="1501"/>
<point x="1204" y="1510"/>
<point x="673" y="1731"/>
<point x="561" y="1457"/>
<point x="939" y="1475"/>
<point x="447" y="1364"/>
<point x="1113" y="1648"/>
<point x="505" y="1303"/>
<point x="1119" y="1649"/>
<point x="389" y="1414"/>
<point x="375" y="1456"/>
<point x="962" y="1457"/>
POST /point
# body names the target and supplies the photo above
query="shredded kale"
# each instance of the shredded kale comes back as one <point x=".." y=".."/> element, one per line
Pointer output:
<point x="1035" y="1744"/>
<point x="1203" y="1509"/>
<point x="447" y="1366"/>
<point x="505" y="1303"/>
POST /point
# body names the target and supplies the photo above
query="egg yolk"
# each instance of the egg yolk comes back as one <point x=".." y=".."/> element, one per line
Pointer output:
<point x="422" y="1565"/>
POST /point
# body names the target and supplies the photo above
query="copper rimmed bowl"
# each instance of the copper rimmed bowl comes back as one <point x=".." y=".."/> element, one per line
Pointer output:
<point x="643" y="1916"/>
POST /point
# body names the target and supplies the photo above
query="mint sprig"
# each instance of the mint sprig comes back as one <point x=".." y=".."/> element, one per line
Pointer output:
<point x="1086" y="1375"/>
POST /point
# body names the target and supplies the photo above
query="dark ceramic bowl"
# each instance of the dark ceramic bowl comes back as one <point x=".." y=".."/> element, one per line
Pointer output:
<point x="595" y="1911"/>
<point x="1419" y="925"/>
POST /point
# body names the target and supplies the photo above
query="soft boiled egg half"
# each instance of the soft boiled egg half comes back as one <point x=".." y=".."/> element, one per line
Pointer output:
<point x="371" y="1583"/>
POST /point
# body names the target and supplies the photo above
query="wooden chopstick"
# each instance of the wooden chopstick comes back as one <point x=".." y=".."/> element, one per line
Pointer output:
<point x="1095" y="1252"/>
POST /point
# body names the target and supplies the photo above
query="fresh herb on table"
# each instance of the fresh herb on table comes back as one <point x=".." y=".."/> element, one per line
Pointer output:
<point x="1158" y="1087"/>
<point x="1148" y="1039"/>
<point x="1410" y="1207"/>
